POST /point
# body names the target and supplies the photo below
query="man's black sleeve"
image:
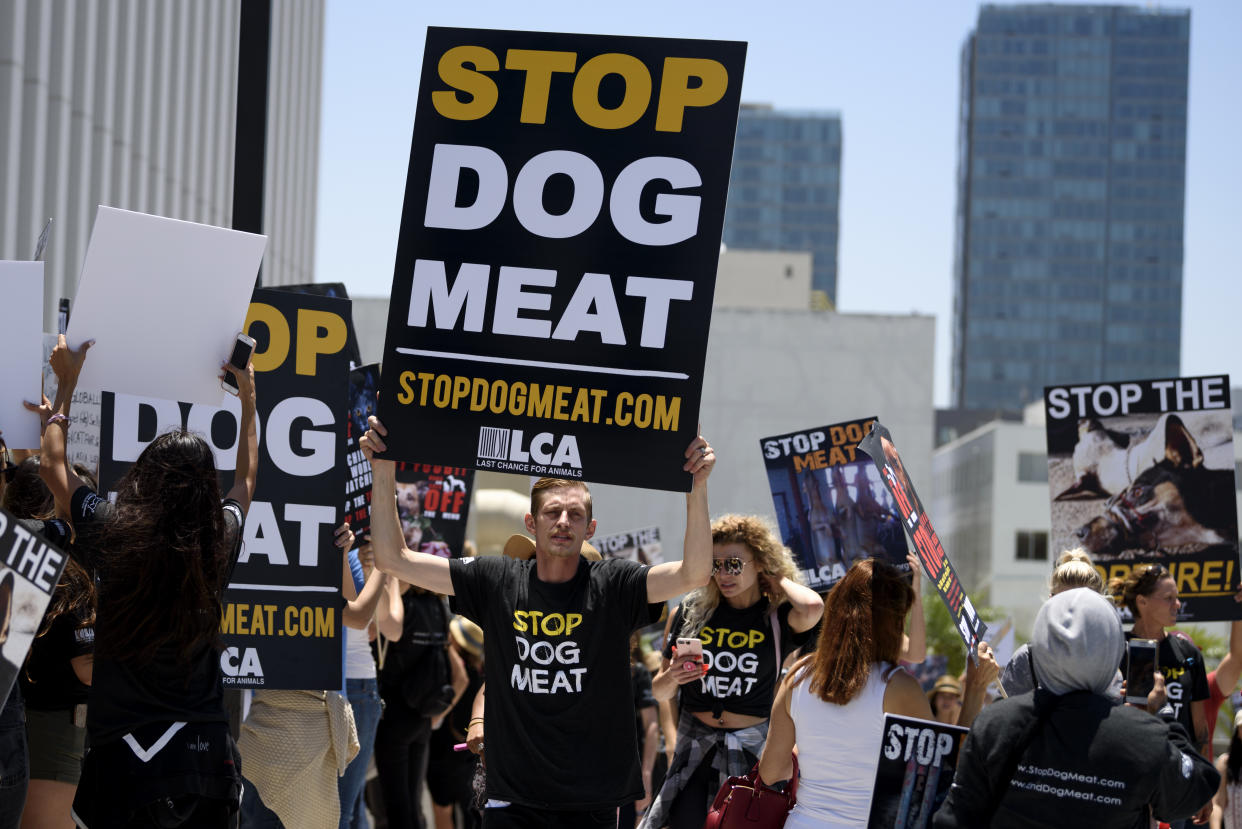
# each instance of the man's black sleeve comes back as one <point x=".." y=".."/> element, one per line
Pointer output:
<point x="1187" y="780"/>
<point x="971" y="792"/>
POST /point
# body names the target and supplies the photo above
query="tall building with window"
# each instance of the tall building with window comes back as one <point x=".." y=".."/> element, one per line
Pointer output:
<point x="785" y="189"/>
<point x="1071" y="181"/>
<point x="131" y="104"/>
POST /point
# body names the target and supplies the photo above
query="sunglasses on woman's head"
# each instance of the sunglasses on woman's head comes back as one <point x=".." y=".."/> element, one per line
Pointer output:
<point x="732" y="566"/>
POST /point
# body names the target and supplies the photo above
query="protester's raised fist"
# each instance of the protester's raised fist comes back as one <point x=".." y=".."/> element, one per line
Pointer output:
<point x="344" y="537"/>
<point x="916" y="572"/>
<point x="372" y="440"/>
<point x="244" y="378"/>
<point x="700" y="458"/>
<point x="67" y="363"/>
<point x="983" y="670"/>
<point x="366" y="555"/>
<point x="43" y="410"/>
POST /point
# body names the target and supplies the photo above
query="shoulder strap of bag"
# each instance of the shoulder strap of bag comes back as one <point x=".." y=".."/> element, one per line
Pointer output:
<point x="776" y="640"/>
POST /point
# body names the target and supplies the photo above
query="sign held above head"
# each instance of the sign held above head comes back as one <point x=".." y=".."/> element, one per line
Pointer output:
<point x="557" y="260"/>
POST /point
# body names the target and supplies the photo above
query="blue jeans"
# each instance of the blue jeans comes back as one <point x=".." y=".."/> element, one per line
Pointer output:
<point x="363" y="695"/>
<point x="14" y="760"/>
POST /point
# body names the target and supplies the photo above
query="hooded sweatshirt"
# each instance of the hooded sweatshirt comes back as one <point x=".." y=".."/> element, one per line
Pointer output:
<point x="1077" y="643"/>
<point x="1088" y="761"/>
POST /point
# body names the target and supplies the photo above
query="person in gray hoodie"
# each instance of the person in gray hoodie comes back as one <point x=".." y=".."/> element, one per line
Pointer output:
<point x="1066" y="755"/>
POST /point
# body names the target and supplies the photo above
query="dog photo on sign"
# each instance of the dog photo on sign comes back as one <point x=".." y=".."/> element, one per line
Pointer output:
<point x="1144" y="483"/>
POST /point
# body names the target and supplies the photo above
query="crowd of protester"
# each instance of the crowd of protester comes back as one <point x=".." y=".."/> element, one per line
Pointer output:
<point x="118" y="717"/>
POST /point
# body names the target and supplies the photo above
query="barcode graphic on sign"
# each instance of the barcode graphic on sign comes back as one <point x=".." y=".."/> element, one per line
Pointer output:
<point x="493" y="443"/>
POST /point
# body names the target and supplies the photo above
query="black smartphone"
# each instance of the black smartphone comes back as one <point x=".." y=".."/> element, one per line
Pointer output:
<point x="243" y="347"/>
<point x="1141" y="674"/>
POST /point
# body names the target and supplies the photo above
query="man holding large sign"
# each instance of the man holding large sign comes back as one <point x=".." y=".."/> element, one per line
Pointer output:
<point x="558" y="250"/>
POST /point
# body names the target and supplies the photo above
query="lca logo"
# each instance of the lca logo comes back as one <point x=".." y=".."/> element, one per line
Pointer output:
<point x="247" y="666"/>
<point x="544" y="448"/>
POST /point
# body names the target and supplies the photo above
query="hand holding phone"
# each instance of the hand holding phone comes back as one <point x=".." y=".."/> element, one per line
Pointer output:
<point x="1141" y="670"/>
<point x="243" y="348"/>
<point x="688" y="659"/>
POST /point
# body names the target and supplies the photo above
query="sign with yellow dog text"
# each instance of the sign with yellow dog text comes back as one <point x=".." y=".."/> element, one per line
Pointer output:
<point x="557" y="259"/>
<point x="281" y="624"/>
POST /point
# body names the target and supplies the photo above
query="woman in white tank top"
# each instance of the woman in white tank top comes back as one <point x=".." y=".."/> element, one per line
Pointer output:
<point x="832" y="705"/>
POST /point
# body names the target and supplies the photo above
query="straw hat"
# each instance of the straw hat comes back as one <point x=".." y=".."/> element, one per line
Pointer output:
<point x="467" y="635"/>
<point x="945" y="685"/>
<point x="522" y="547"/>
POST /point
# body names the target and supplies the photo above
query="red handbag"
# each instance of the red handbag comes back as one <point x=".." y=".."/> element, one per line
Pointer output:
<point x="749" y="803"/>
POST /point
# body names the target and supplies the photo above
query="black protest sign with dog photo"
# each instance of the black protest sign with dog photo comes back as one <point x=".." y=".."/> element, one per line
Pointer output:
<point x="282" y="609"/>
<point x="1143" y="471"/>
<point x="30" y="568"/>
<point x="879" y="446"/>
<point x="917" y="761"/>
<point x="557" y="259"/>
<point x="831" y="505"/>
<point x="433" y="503"/>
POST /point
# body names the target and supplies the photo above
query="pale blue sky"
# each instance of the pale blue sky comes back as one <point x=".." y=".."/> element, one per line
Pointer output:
<point x="890" y="69"/>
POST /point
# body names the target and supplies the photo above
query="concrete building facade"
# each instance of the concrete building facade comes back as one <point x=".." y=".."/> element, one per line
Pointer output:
<point x="131" y="104"/>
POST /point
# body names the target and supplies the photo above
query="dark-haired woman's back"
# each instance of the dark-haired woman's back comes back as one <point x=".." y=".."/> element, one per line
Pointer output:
<point x="160" y="750"/>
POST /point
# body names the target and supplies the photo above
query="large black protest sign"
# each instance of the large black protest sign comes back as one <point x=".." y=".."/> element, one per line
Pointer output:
<point x="282" y="609"/>
<point x="557" y="260"/>
<point x="831" y="505"/>
<point x="878" y="444"/>
<point x="1143" y="471"/>
<point x="918" y="759"/>
<point x="30" y="569"/>
<point x="338" y="291"/>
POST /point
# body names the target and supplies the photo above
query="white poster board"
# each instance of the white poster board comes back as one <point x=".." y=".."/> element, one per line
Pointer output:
<point x="163" y="299"/>
<point x="21" y="343"/>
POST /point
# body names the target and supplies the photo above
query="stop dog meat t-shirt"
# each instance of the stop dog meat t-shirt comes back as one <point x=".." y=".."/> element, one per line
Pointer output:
<point x="560" y="709"/>
<point x="741" y="658"/>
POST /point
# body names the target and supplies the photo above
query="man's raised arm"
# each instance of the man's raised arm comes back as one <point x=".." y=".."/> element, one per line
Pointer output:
<point x="673" y="578"/>
<point x="391" y="555"/>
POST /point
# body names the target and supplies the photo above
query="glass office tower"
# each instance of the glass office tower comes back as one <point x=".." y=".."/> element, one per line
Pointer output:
<point x="1071" y="182"/>
<point x="784" y="191"/>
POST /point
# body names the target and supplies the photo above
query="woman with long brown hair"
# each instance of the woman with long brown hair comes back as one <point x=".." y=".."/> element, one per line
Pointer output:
<point x="160" y="751"/>
<point x="833" y="702"/>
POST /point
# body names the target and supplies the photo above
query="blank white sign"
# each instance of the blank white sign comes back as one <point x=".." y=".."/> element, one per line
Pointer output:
<point x="163" y="299"/>
<point x="21" y="343"/>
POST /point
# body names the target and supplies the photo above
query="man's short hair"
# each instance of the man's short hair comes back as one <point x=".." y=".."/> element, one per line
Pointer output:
<point x="539" y="491"/>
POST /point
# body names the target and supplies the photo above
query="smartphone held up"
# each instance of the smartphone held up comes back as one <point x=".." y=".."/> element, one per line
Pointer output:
<point x="1141" y="670"/>
<point x="243" y="347"/>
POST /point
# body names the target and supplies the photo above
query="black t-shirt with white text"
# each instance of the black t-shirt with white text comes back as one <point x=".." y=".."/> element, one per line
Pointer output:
<point x="560" y="709"/>
<point x="739" y="651"/>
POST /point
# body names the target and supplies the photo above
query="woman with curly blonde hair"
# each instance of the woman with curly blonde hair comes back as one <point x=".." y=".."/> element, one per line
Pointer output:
<point x="753" y="612"/>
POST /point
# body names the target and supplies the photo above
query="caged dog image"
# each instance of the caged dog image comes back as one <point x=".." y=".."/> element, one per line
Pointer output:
<point x="1134" y="484"/>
